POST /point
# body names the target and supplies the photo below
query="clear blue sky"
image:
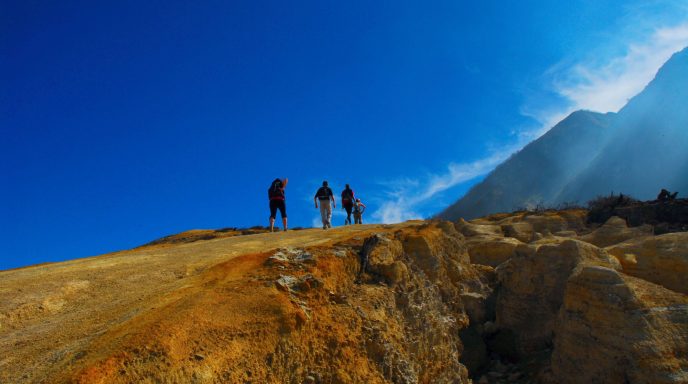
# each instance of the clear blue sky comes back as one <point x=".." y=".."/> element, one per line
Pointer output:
<point x="125" y="121"/>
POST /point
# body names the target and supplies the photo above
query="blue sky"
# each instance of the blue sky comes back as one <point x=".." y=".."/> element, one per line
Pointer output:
<point x="127" y="121"/>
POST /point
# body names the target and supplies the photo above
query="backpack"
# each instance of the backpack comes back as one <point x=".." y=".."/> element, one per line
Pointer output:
<point x="275" y="190"/>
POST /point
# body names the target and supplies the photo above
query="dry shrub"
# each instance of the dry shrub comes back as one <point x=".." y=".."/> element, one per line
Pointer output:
<point x="601" y="208"/>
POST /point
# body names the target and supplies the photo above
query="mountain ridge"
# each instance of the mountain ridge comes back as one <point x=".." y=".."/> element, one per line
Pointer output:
<point x="650" y="143"/>
<point x="511" y="184"/>
<point x="637" y="151"/>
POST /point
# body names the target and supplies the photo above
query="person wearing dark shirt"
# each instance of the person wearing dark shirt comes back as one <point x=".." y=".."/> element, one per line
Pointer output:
<point x="348" y="202"/>
<point x="277" y="201"/>
<point x="324" y="195"/>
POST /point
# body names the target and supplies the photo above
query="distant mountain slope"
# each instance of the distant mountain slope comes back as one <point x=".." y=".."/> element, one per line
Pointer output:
<point x="638" y="151"/>
<point x="649" y="147"/>
<point x="539" y="171"/>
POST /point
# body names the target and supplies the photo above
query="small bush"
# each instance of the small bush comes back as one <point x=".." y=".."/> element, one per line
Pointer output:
<point x="601" y="208"/>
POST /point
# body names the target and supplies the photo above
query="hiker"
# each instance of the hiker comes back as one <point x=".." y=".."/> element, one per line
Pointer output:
<point x="359" y="208"/>
<point x="277" y="201"/>
<point x="324" y="195"/>
<point x="347" y="203"/>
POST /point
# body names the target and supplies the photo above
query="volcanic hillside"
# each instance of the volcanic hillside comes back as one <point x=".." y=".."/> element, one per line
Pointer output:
<point x="525" y="297"/>
<point x="637" y="151"/>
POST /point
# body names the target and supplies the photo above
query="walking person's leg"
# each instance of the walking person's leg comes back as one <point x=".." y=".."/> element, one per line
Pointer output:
<point x="329" y="214"/>
<point x="323" y="212"/>
<point x="273" y="212"/>
<point x="283" y="212"/>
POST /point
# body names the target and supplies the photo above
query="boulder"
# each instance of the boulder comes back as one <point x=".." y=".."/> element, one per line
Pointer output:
<point x="519" y="230"/>
<point x="660" y="259"/>
<point x="615" y="231"/>
<point x="491" y="250"/>
<point x="557" y="221"/>
<point x="470" y="229"/>
<point x="614" y="328"/>
<point x="383" y="255"/>
<point x="382" y="250"/>
<point x="549" y="223"/>
<point x="532" y="285"/>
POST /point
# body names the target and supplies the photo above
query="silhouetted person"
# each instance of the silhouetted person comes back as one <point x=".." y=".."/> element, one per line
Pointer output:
<point x="277" y="201"/>
<point x="348" y="202"/>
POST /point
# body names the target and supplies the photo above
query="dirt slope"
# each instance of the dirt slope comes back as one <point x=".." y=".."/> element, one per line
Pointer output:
<point x="56" y="316"/>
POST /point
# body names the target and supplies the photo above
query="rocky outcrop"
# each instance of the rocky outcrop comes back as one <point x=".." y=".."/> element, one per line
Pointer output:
<point x="660" y="259"/>
<point x="527" y="226"/>
<point x="519" y="230"/>
<point x="532" y="286"/>
<point x="539" y="283"/>
<point x="615" y="231"/>
<point x="491" y="250"/>
<point x="614" y="328"/>
<point x="477" y="229"/>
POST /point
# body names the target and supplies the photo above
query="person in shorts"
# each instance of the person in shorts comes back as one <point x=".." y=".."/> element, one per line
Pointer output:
<point x="278" y="201"/>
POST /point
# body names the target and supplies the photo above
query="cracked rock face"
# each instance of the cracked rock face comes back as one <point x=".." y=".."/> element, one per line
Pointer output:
<point x="660" y="259"/>
<point x="532" y="288"/>
<point x="615" y="328"/>
<point x="491" y="250"/>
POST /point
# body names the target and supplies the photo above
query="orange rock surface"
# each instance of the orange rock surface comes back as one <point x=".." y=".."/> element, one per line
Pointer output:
<point x="239" y="309"/>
